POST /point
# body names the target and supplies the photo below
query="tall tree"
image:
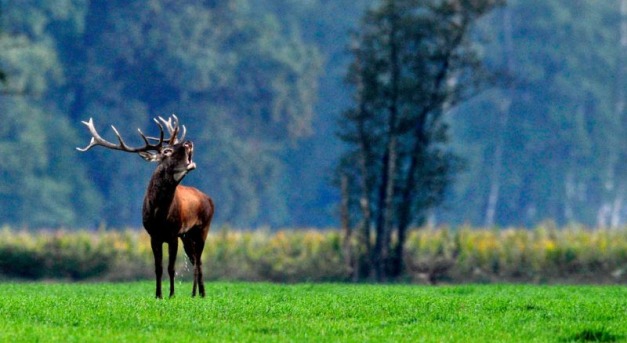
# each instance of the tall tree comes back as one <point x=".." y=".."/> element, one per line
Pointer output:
<point x="413" y="62"/>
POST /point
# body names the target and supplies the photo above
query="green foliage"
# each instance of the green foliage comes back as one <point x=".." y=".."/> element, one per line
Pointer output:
<point x="556" y="118"/>
<point x="54" y="255"/>
<point x="243" y="84"/>
<point x="43" y="185"/>
<point x="543" y="255"/>
<point x="259" y="85"/>
<point x="236" y="312"/>
<point x="242" y="81"/>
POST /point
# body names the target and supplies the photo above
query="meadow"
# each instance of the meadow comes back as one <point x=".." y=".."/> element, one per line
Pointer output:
<point x="305" y="312"/>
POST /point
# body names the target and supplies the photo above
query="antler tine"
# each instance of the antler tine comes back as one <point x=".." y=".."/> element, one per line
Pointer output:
<point x="172" y="124"/>
<point x="183" y="135"/>
<point x="161" y="134"/>
<point x="161" y="138"/>
<point x="96" y="139"/>
<point x="177" y="126"/>
<point x="146" y="139"/>
<point x="176" y="121"/>
<point x="179" y="129"/>
<point x="122" y="144"/>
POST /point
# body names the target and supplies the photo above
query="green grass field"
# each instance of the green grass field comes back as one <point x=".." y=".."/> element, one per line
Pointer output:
<point x="241" y="312"/>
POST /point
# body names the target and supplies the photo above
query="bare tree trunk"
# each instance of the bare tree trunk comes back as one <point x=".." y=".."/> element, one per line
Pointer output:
<point x="362" y="265"/>
<point x="504" y="109"/>
<point x="617" y="208"/>
<point x="386" y="191"/>
<point x="570" y="193"/>
<point x="346" y="226"/>
<point x="608" y="186"/>
<point x="405" y="210"/>
<point x="389" y="212"/>
<point x="386" y="197"/>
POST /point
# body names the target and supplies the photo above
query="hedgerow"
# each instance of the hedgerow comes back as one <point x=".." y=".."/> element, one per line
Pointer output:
<point x="545" y="254"/>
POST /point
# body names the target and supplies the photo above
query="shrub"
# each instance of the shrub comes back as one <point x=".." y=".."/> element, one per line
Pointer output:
<point x="544" y="254"/>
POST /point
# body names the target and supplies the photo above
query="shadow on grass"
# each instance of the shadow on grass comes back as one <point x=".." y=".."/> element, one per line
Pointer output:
<point x="593" y="335"/>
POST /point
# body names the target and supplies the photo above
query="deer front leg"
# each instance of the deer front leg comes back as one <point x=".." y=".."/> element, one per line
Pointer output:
<point x="157" y="251"/>
<point x="172" y="250"/>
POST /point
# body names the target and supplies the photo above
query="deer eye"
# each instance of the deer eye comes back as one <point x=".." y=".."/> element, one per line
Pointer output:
<point x="167" y="151"/>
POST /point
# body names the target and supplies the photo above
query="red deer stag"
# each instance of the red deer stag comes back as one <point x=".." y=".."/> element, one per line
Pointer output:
<point x="170" y="210"/>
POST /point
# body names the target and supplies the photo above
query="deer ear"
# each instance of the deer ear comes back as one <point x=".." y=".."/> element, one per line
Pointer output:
<point x="149" y="157"/>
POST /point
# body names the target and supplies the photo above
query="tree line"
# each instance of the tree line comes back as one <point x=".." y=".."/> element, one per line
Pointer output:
<point x="242" y="81"/>
<point x="521" y="118"/>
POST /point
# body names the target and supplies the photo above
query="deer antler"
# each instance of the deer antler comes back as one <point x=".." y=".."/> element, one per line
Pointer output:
<point x="172" y="125"/>
<point x="96" y="139"/>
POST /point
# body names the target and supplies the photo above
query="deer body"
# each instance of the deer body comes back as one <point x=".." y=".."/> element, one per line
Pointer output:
<point x="170" y="211"/>
<point x="173" y="212"/>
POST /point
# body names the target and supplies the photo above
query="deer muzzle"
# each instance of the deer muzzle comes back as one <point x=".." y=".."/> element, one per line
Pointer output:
<point x="189" y="147"/>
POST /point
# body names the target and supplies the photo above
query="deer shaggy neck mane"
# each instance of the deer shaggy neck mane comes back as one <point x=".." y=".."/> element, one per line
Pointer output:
<point x="158" y="200"/>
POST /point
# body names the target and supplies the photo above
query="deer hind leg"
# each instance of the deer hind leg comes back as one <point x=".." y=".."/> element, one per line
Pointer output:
<point x="157" y="252"/>
<point x="194" y="244"/>
<point x="173" y="246"/>
<point x="190" y="250"/>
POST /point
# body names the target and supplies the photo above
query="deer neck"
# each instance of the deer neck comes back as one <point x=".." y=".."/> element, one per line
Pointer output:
<point x="159" y="195"/>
